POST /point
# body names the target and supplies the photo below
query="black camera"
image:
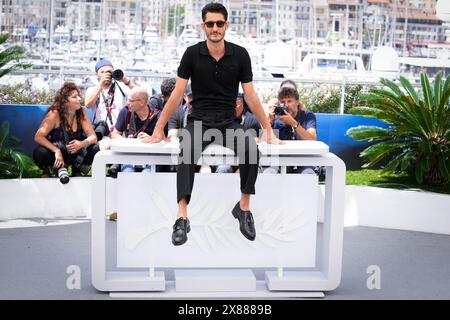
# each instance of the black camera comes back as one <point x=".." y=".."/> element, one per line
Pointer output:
<point x="63" y="175"/>
<point x="117" y="74"/>
<point x="101" y="130"/>
<point x="78" y="163"/>
<point x="279" y="110"/>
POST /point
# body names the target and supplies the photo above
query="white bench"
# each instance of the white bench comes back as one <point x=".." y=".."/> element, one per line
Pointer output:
<point x="319" y="268"/>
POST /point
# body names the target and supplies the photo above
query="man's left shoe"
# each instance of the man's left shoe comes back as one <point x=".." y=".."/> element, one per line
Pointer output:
<point x="246" y="223"/>
<point x="180" y="230"/>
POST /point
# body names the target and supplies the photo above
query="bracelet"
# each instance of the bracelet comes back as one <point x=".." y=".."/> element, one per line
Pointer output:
<point x="129" y="81"/>
<point x="295" y="127"/>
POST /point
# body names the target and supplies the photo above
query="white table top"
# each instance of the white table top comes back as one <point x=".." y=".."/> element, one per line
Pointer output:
<point x="299" y="147"/>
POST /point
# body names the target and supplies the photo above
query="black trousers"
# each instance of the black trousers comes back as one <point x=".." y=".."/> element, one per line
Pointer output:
<point x="44" y="158"/>
<point x="204" y="128"/>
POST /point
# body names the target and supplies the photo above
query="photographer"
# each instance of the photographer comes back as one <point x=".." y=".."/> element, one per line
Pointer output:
<point x="65" y="136"/>
<point x="106" y="99"/>
<point x="137" y="120"/>
<point x="158" y="101"/>
<point x="292" y="123"/>
<point x="288" y="83"/>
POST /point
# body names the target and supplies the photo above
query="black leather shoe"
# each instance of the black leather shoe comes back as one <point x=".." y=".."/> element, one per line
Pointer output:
<point x="180" y="230"/>
<point x="246" y="223"/>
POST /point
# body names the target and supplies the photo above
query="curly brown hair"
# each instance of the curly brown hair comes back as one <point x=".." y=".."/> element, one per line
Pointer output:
<point x="60" y="100"/>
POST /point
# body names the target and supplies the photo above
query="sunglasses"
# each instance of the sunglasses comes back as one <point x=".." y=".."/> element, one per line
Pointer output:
<point x="219" y="24"/>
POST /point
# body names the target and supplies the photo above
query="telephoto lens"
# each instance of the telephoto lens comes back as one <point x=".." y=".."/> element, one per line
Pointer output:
<point x="117" y="74"/>
<point x="63" y="175"/>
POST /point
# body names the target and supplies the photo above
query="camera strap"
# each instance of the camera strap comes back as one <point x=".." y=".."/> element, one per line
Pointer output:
<point x="64" y="130"/>
<point x="109" y="101"/>
<point x="151" y="115"/>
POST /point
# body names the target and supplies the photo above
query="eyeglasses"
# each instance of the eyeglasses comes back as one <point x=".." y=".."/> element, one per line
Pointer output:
<point x="219" y="23"/>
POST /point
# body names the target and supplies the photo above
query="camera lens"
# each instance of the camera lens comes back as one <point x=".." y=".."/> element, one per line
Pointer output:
<point x="117" y="74"/>
<point x="101" y="129"/>
<point x="63" y="175"/>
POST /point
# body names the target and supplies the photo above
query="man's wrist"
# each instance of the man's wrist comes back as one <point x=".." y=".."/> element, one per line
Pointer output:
<point x="127" y="82"/>
<point x="158" y="127"/>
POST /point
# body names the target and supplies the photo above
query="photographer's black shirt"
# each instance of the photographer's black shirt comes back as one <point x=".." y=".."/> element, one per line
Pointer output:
<point x="215" y="84"/>
<point x="121" y="124"/>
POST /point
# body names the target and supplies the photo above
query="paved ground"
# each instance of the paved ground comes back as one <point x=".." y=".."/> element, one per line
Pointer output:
<point x="413" y="265"/>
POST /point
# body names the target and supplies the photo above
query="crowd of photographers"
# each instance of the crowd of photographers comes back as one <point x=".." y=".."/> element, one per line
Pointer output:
<point x="121" y="109"/>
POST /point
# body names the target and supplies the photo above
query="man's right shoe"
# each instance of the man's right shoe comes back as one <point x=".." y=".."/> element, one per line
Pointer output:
<point x="180" y="231"/>
<point x="246" y="222"/>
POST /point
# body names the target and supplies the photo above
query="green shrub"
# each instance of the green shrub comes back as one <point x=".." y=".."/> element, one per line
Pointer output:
<point x="23" y="94"/>
<point x="327" y="99"/>
<point x="14" y="163"/>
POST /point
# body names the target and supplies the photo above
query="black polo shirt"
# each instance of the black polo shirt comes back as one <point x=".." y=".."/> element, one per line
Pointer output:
<point x="215" y="84"/>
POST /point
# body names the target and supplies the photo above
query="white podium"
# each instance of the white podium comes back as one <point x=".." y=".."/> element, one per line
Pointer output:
<point x="217" y="261"/>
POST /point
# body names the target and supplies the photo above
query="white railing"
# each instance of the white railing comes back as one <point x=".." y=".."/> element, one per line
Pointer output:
<point x="265" y="85"/>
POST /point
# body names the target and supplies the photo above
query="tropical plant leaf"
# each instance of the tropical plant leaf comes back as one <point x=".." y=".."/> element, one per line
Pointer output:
<point x="427" y="93"/>
<point x="407" y="158"/>
<point x="397" y="108"/>
<point x="4" y="133"/>
<point x="391" y="85"/>
<point x="425" y="118"/>
<point x="443" y="113"/>
<point x="4" y="37"/>
<point x="379" y="151"/>
<point x="11" y="56"/>
<point x="410" y="89"/>
<point x="437" y="91"/>
<point x="369" y="133"/>
<point x="392" y="165"/>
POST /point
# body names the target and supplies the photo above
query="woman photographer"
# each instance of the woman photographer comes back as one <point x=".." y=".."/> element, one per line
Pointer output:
<point x="65" y="136"/>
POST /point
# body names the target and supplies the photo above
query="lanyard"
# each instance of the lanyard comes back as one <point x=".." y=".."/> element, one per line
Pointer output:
<point x="151" y="115"/>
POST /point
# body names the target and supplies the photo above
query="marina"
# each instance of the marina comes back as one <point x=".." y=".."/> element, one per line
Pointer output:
<point x="337" y="51"/>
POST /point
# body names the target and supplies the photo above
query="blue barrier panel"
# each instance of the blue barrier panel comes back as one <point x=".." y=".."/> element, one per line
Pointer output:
<point x="24" y="121"/>
<point x="331" y="128"/>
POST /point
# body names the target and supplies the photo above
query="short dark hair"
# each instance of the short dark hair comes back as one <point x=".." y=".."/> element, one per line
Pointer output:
<point x="288" y="92"/>
<point x="167" y="86"/>
<point x="288" y="81"/>
<point x="216" y="8"/>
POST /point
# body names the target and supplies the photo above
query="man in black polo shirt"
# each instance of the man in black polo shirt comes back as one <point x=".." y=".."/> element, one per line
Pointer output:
<point x="215" y="68"/>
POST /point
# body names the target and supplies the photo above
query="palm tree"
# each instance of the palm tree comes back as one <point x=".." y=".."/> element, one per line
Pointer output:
<point x="418" y="136"/>
<point x="10" y="57"/>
